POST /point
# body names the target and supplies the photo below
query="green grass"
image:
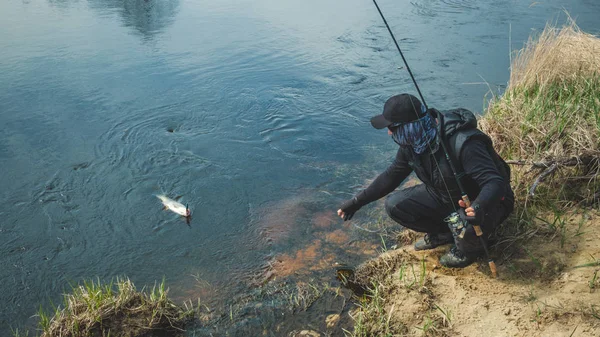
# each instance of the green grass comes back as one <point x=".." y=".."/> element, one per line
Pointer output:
<point x="20" y="333"/>
<point x="428" y="326"/>
<point x="550" y="123"/>
<point x="595" y="312"/>
<point x="302" y="295"/>
<point x="594" y="262"/>
<point x="372" y="318"/>
<point x="594" y="282"/>
<point x="374" y="314"/>
<point x="446" y="315"/>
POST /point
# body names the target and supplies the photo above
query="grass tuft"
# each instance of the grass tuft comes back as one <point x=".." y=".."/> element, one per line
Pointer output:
<point x="114" y="309"/>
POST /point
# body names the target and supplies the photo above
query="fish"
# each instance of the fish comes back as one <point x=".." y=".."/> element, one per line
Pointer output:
<point x="174" y="206"/>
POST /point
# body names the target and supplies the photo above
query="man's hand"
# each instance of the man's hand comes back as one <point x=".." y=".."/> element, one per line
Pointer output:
<point x="348" y="209"/>
<point x="469" y="210"/>
<point x="341" y="214"/>
<point x="471" y="214"/>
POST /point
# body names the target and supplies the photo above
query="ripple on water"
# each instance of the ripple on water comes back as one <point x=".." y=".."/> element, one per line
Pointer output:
<point x="432" y="8"/>
<point x="155" y="140"/>
<point x="461" y="4"/>
<point x="283" y="130"/>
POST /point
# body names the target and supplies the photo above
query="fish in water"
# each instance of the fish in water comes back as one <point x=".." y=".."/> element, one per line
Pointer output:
<point x="174" y="206"/>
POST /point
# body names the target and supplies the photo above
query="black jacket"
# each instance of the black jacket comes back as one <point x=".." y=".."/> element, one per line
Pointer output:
<point x="486" y="176"/>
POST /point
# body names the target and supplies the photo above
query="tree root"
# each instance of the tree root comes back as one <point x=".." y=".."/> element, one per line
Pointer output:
<point x="589" y="160"/>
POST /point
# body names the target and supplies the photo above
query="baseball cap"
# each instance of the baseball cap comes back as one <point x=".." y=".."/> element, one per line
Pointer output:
<point x="401" y="108"/>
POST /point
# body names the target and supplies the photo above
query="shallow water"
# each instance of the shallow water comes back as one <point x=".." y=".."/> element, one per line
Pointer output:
<point x="255" y="112"/>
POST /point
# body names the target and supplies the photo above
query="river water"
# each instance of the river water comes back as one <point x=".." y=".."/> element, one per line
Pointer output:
<point x="254" y="112"/>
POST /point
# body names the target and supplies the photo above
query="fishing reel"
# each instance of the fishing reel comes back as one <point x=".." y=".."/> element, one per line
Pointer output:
<point x="458" y="226"/>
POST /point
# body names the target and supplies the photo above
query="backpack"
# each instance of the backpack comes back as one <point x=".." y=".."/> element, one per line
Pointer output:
<point x="460" y="125"/>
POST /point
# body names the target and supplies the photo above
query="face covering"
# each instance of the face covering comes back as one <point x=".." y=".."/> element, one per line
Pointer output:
<point x="418" y="134"/>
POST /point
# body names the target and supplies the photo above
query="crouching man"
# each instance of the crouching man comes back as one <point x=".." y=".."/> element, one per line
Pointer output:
<point x="424" y="208"/>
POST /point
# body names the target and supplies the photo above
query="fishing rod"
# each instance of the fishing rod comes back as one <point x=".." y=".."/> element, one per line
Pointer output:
<point x="457" y="176"/>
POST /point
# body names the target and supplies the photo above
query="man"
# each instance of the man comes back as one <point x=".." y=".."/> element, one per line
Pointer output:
<point x="424" y="208"/>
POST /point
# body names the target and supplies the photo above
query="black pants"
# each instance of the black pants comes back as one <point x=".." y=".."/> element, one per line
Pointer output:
<point x="418" y="209"/>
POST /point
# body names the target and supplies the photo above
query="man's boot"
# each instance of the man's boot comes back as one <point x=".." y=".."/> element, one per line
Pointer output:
<point x="431" y="241"/>
<point x="455" y="258"/>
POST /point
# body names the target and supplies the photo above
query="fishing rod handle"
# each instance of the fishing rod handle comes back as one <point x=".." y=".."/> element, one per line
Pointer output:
<point x="493" y="268"/>
<point x="487" y="253"/>
<point x="467" y="202"/>
<point x="466" y="199"/>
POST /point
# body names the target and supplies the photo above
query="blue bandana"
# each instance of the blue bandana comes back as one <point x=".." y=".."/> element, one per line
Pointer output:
<point x="417" y="134"/>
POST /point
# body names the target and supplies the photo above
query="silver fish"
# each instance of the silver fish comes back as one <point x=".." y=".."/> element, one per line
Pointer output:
<point x="174" y="206"/>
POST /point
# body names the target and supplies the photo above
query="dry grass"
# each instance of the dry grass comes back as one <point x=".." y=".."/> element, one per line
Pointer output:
<point x="556" y="55"/>
<point x="115" y="309"/>
<point x="547" y="124"/>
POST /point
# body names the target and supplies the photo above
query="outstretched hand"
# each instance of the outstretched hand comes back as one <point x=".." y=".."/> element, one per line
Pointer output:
<point x="341" y="214"/>
<point x="348" y="208"/>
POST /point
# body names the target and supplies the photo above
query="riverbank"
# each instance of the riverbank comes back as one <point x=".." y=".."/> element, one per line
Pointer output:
<point x="547" y="286"/>
<point x="547" y="126"/>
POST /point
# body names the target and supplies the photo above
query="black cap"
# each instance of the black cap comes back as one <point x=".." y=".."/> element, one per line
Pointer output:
<point x="401" y="108"/>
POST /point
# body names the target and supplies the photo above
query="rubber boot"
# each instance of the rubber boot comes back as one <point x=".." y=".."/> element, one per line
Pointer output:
<point x="430" y="241"/>
<point x="454" y="258"/>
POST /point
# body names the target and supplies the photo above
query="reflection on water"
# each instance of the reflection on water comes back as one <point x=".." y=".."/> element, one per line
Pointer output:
<point x="147" y="17"/>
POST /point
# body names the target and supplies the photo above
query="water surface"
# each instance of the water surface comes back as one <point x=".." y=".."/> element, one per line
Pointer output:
<point x="255" y="112"/>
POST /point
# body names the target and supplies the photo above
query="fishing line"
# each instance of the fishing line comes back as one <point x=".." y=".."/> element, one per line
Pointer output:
<point x="415" y="109"/>
<point x="367" y="230"/>
<point x="464" y="195"/>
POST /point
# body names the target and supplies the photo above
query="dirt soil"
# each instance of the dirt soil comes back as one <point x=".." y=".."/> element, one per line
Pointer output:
<point x="542" y="289"/>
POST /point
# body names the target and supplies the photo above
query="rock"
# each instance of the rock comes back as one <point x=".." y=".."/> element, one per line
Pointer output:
<point x="507" y="311"/>
<point x="332" y="320"/>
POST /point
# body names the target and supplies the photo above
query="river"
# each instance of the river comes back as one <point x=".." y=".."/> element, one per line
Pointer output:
<point x="255" y="112"/>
